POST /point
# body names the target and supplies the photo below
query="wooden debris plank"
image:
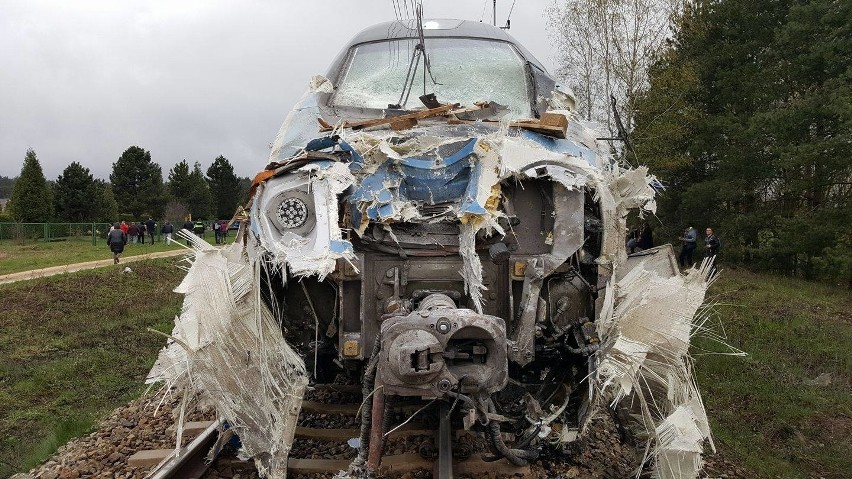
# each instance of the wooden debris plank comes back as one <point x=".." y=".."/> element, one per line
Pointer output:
<point x="403" y="124"/>
<point x="324" y="125"/>
<point x="537" y="127"/>
<point x="554" y="119"/>
<point x="417" y="115"/>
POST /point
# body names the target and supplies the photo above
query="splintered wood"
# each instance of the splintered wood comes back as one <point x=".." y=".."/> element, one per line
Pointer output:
<point x="550" y="124"/>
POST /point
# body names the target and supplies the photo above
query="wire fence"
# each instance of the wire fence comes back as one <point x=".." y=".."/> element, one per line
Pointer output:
<point x="25" y="232"/>
<point x="91" y="232"/>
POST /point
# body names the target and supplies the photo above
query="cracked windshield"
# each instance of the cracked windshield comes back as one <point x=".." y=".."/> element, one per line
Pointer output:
<point x="465" y="71"/>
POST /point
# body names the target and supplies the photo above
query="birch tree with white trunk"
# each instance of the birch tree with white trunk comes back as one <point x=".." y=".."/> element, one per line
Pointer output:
<point x="605" y="48"/>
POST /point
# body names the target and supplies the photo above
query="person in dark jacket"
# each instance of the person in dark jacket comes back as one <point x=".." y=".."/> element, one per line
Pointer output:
<point x="140" y="233"/>
<point x="167" y="231"/>
<point x="116" y="239"/>
<point x="187" y="225"/>
<point x="711" y="244"/>
<point x="646" y="237"/>
<point x="688" y="239"/>
<point x="150" y="227"/>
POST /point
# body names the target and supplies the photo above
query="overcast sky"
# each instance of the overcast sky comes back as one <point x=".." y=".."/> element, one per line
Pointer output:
<point x="185" y="79"/>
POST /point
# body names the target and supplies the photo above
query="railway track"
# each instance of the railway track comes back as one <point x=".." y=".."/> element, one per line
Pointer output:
<point x="417" y="440"/>
<point x="146" y="424"/>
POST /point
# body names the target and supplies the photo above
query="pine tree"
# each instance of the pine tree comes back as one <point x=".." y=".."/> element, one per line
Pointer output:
<point x="74" y="194"/>
<point x="224" y="186"/>
<point x="179" y="182"/>
<point x="199" y="199"/>
<point x="105" y="206"/>
<point x="137" y="184"/>
<point x="748" y="119"/>
<point x="32" y="200"/>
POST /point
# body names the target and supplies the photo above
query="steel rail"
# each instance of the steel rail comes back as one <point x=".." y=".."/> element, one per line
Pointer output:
<point x="188" y="461"/>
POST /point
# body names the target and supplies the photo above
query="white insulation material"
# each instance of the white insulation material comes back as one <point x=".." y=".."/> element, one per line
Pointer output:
<point x="235" y="352"/>
<point x="644" y="363"/>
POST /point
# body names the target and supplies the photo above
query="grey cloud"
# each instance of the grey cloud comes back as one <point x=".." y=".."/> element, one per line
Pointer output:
<point x="82" y="81"/>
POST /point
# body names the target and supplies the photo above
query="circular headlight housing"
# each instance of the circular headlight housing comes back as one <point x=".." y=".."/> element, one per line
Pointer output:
<point x="292" y="213"/>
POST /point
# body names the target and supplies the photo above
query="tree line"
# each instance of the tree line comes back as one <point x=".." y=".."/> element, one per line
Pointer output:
<point x="135" y="190"/>
<point x="744" y="112"/>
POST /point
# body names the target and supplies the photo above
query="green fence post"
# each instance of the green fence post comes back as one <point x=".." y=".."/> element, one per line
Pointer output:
<point x="46" y="232"/>
<point x="94" y="239"/>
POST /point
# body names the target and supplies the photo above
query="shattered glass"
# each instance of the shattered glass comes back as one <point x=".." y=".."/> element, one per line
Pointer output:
<point x="466" y="71"/>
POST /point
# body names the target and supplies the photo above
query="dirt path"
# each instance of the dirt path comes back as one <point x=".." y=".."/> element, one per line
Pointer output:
<point x="71" y="268"/>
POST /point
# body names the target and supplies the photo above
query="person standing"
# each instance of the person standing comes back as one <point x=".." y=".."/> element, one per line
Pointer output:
<point x="124" y="227"/>
<point x="132" y="232"/>
<point x="711" y="244"/>
<point x="218" y="232"/>
<point x="632" y="238"/>
<point x="140" y="233"/>
<point x="223" y="229"/>
<point x="150" y="227"/>
<point x="167" y="230"/>
<point x="187" y="225"/>
<point x="688" y="238"/>
<point x="116" y="239"/>
<point x="646" y="237"/>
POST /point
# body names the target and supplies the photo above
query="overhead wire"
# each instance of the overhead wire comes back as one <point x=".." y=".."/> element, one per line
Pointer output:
<point x="509" y="17"/>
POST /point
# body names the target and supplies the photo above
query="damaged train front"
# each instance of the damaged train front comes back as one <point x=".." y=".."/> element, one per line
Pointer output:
<point x="450" y="259"/>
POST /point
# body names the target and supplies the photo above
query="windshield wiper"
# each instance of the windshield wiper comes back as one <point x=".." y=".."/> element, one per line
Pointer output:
<point x="419" y="50"/>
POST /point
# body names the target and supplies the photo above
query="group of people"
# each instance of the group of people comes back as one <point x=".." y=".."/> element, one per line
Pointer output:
<point x="689" y="240"/>
<point x="641" y="238"/>
<point x="136" y="232"/>
<point x="120" y="233"/>
<point x="220" y="228"/>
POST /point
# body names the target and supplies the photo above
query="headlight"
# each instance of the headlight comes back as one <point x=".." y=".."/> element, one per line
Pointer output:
<point x="292" y="211"/>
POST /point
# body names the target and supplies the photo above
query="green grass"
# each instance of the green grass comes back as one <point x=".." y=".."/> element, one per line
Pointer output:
<point x="74" y="347"/>
<point x="763" y="413"/>
<point x="17" y="256"/>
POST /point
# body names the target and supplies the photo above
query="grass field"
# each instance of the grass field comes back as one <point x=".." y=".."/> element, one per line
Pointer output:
<point x="74" y="347"/>
<point x="16" y="256"/>
<point x="767" y="412"/>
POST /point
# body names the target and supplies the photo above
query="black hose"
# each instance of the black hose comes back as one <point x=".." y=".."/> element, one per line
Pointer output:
<point x="518" y="457"/>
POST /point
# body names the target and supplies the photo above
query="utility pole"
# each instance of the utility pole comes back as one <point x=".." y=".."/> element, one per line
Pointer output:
<point x="494" y="16"/>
